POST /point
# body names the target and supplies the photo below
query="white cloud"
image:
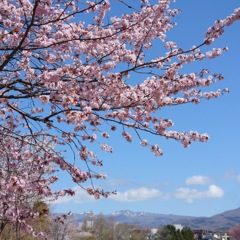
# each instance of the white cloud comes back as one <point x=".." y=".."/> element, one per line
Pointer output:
<point x="138" y="194"/>
<point x="143" y="193"/>
<point x="81" y="196"/>
<point x="189" y="194"/>
<point x="197" y="180"/>
<point x="132" y="195"/>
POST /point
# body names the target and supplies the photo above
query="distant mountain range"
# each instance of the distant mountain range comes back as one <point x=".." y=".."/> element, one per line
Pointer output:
<point x="217" y="222"/>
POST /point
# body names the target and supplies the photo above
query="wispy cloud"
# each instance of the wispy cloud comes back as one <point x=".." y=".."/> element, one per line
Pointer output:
<point x="198" y="180"/>
<point x="118" y="182"/>
<point x="238" y="178"/>
<point x="136" y="195"/>
<point x="189" y="194"/>
<point x="232" y="175"/>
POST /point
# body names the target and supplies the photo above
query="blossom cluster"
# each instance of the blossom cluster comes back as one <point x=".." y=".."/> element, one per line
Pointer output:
<point x="65" y="84"/>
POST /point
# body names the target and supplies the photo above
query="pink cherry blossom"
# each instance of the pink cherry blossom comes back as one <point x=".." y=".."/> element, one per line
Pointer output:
<point x="69" y="74"/>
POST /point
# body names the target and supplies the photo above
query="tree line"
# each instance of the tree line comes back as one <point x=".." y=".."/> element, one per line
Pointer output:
<point x="98" y="227"/>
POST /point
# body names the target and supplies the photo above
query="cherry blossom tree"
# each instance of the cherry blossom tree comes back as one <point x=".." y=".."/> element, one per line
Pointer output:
<point x="234" y="232"/>
<point x="25" y="175"/>
<point x="67" y="229"/>
<point x="72" y="73"/>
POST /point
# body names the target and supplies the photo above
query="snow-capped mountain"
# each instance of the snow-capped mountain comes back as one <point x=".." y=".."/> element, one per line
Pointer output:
<point x="127" y="213"/>
<point x="220" y="221"/>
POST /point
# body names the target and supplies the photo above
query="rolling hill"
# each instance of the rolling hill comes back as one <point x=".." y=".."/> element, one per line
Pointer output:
<point x="218" y="222"/>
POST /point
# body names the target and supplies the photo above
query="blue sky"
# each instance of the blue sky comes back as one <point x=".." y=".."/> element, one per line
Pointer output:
<point x="201" y="180"/>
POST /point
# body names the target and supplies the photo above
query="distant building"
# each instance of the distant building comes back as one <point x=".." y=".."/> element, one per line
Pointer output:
<point x="178" y="227"/>
<point x="86" y="225"/>
<point x="154" y="231"/>
<point x="225" y="236"/>
<point x="201" y="234"/>
<point x="204" y="234"/>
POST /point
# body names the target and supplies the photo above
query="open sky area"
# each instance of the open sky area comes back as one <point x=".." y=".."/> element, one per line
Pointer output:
<point x="202" y="180"/>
